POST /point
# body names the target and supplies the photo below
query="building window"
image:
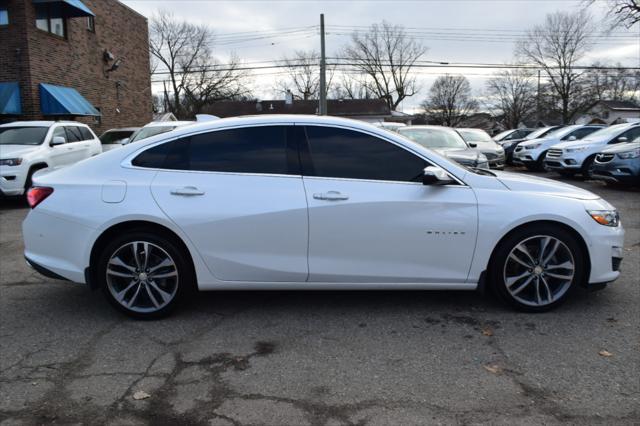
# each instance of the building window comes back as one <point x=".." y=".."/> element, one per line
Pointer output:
<point x="91" y="24"/>
<point x="49" y="18"/>
<point x="4" y="15"/>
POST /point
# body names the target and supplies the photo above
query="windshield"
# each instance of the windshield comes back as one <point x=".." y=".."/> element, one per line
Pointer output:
<point x="607" y="132"/>
<point x="434" y="138"/>
<point x="541" y="132"/>
<point x="561" y="132"/>
<point x="475" y="135"/>
<point x="503" y="135"/>
<point x="147" y="132"/>
<point x="22" y="135"/>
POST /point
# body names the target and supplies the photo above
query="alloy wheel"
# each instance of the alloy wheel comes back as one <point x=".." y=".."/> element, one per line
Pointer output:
<point x="539" y="270"/>
<point x="142" y="277"/>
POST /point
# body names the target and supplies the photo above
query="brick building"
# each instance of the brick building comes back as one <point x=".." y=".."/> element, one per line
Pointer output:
<point x="74" y="59"/>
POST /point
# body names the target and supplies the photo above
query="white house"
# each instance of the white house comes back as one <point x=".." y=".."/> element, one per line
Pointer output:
<point x="610" y="112"/>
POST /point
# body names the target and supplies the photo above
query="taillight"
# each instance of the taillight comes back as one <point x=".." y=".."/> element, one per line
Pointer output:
<point x="37" y="194"/>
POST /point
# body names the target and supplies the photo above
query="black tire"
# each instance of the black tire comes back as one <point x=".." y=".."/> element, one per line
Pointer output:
<point x="185" y="281"/>
<point x="498" y="266"/>
<point x="28" y="183"/>
<point x="540" y="167"/>
<point x="587" y="166"/>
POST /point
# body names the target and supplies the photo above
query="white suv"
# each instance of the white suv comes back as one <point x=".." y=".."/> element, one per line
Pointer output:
<point x="28" y="146"/>
<point x="577" y="157"/>
<point x="532" y="153"/>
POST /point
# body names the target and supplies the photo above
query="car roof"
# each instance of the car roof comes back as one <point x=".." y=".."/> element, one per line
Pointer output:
<point x="123" y="129"/>
<point x="471" y="128"/>
<point x="41" y="123"/>
<point x="168" y="123"/>
<point x="427" y="126"/>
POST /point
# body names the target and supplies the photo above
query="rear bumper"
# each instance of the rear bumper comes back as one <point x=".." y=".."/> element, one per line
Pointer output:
<point x="44" y="271"/>
<point x="56" y="247"/>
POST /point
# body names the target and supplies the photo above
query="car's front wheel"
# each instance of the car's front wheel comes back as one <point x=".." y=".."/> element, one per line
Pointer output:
<point x="535" y="268"/>
<point x="144" y="274"/>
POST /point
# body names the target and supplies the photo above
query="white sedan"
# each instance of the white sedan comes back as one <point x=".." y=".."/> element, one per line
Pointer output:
<point x="307" y="202"/>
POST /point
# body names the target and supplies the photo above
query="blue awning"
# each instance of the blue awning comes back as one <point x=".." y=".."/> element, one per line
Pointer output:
<point x="10" y="99"/>
<point x="58" y="100"/>
<point x="72" y="8"/>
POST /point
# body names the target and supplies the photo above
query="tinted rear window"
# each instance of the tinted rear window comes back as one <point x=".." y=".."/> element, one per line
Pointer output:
<point x="245" y="150"/>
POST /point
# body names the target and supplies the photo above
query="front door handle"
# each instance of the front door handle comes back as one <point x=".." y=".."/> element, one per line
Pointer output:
<point x="187" y="191"/>
<point x="331" y="196"/>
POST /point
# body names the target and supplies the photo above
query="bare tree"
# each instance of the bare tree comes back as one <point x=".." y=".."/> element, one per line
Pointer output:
<point x="303" y="75"/>
<point x="449" y="100"/>
<point x="386" y="55"/>
<point x="184" y="52"/>
<point x="513" y="93"/>
<point x="625" y="13"/>
<point x="618" y="84"/>
<point x="556" y="46"/>
<point x="350" y="86"/>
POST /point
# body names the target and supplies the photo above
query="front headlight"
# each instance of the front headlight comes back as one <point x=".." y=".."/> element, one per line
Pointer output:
<point x="629" y="154"/>
<point x="11" y="162"/>
<point x="534" y="146"/>
<point x="605" y="217"/>
<point x="581" y="148"/>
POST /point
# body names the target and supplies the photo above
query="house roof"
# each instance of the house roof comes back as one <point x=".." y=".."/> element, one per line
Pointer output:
<point x="340" y="108"/>
<point x="620" y="105"/>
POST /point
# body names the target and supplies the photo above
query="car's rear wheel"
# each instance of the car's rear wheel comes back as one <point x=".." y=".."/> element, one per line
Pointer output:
<point x="144" y="275"/>
<point x="535" y="268"/>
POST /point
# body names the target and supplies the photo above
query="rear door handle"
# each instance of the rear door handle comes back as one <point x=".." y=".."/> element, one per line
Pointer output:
<point x="331" y="196"/>
<point x="188" y="191"/>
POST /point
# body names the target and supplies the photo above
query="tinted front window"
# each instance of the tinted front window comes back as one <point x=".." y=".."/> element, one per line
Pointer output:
<point x="22" y="135"/>
<point x="344" y="153"/>
<point x="585" y="131"/>
<point x="631" y="135"/>
<point x="245" y="150"/>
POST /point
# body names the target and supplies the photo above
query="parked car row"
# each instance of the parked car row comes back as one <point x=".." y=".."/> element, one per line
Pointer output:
<point x="575" y="149"/>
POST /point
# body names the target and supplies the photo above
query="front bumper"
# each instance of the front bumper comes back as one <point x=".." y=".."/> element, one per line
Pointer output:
<point x="12" y="180"/>
<point x="618" y="170"/>
<point x="526" y="156"/>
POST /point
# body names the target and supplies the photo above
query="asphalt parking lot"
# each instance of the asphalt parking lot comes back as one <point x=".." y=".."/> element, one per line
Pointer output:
<point x="319" y="358"/>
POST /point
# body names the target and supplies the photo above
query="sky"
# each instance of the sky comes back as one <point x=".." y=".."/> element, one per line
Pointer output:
<point x="454" y="31"/>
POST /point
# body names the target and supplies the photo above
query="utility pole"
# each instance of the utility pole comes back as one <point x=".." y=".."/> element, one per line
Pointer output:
<point x="323" y="71"/>
<point x="538" y="102"/>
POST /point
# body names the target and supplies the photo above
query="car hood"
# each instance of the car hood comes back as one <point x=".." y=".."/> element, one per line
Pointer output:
<point x="14" y="151"/>
<point x="544" y="141"/>
<point x="621" y="147"/>
<point x="575" y="144"/>
<point x="527" y="183"/>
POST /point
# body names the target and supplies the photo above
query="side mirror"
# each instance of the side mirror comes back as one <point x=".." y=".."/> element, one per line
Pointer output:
<point x="473" y="144"/>
<point x="434" y="175"/>
<point x="623" y="139"/>
<point x="572" y="138"/>
<point x="124" y="141"/>
<point x="58" y="140"/>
